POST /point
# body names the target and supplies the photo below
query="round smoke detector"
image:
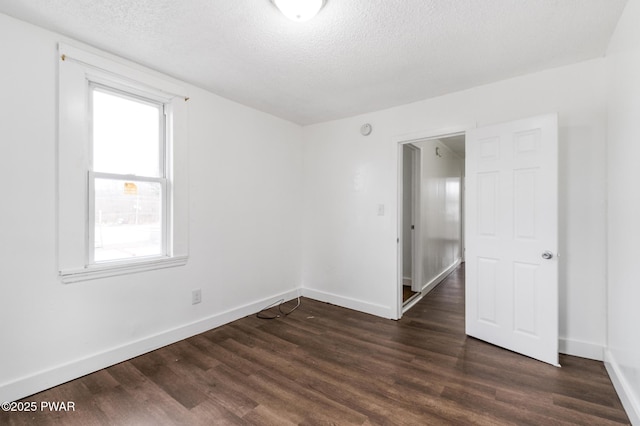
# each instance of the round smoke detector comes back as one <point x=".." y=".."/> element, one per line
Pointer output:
<point x="366" y="129"/>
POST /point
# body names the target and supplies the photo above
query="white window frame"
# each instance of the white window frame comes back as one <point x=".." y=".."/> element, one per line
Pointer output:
<point x="155" y="101"/>
<point x="79" y="72"/>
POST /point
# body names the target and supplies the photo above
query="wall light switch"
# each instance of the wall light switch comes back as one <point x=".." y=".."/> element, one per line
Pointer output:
<point x="196" y="296"/>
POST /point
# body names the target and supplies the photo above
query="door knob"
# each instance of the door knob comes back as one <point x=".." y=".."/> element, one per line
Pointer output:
<point x="547" y="255"/>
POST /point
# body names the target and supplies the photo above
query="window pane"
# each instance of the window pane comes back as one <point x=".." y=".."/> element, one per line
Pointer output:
<point x="128" y="219"/>
<point x="126" y="135"/>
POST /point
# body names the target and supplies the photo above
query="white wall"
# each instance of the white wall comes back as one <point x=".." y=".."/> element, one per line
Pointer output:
<point x="349" y="253"/>
<point x="623" y="154"/>
<point x="245" y="191"/>
<point x="440" y="209"/>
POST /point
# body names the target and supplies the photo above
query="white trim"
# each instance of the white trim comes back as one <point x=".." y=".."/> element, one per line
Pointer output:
<point x="416" y="215"/>
<point x="115" y="68"/>
<point x="350" y="303"/>
<point x="630" y="401"/>
<point x="399" y="229"/>
<point x="427" y="287"/>
<point x="97" y="271"/>
<point x="116" y="176"/>
<point x="433" y="134"/>
<point x="581" y="349"/>
<point x="412" y="302"/>
<point x="77" y="70"/>
<point x="28" y="385"/>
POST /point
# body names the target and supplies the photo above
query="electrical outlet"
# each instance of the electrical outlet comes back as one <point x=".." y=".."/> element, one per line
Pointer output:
<point x="196" y="296"/>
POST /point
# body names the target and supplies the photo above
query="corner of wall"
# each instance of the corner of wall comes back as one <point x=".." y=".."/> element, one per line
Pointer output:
<point x="581" y="349"/>
<point x="630" y="401"/>
<point x="350" y="303"/>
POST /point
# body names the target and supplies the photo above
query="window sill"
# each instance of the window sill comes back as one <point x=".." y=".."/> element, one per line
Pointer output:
<point x="95" y="272"/>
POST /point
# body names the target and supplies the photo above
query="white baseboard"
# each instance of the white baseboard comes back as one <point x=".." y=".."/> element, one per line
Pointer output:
<point x="37" y="382"/>
<point x="427" y="287"/>
<point x="581" y="349"/>
<point x="630" y="401"/>
<point x="347" y="302"/>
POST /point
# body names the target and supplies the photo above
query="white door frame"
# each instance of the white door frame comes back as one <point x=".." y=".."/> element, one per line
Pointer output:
<point x="400" y="141"/>
<point x="463" y="206"/>
<point x="416" y="208"/>
<point x="416" y="248"/>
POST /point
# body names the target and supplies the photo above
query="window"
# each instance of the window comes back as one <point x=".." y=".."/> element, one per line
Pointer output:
<point x="127" y="184"/>
<point x="122" y="175"/>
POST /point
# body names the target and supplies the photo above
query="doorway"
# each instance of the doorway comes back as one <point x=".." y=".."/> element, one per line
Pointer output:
<point x="511" y="283"/>
<point x="411" y="179"/>
<point x="431" y="214"/>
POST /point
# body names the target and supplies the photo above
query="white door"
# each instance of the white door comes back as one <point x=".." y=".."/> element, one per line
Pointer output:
<point x="512" y="236"/>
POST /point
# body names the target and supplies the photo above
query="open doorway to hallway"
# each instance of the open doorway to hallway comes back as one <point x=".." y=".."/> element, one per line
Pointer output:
<point x="432" y="234"/>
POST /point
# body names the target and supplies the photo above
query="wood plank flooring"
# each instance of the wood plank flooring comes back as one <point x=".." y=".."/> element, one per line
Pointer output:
<point x="327" y="365"/>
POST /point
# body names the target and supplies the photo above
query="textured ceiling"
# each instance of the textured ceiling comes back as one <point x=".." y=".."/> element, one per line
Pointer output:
<point x="356" y="56"/>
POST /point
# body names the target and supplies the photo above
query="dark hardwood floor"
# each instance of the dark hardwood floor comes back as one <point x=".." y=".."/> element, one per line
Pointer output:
<point x="328" y="365"/>
<point x="407" y="293"/>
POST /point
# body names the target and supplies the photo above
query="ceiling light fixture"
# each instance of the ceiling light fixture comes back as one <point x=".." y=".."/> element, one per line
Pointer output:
<point x="299" y="10"/>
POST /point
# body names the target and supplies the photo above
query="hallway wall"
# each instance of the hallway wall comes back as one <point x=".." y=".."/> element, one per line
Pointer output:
<point x="440" y="200"/>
